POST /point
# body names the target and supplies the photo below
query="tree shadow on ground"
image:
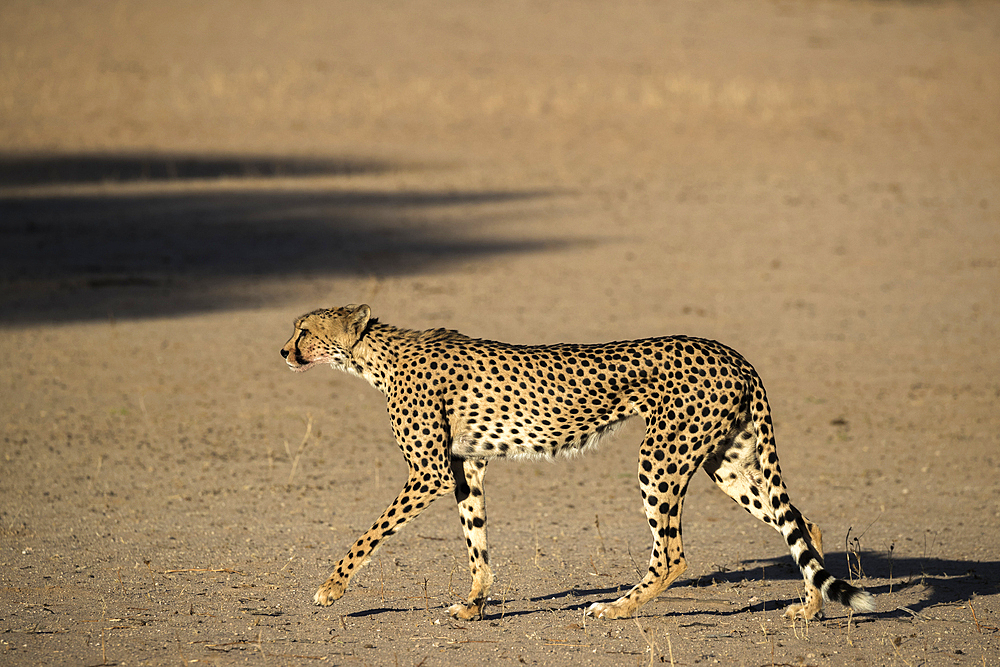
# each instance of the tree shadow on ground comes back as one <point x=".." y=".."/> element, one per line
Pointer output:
<point x="192" y="242"/>
<point x="63" y="169"/>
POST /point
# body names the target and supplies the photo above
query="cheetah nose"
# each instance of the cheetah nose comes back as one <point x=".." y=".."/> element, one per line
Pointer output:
<point x="284" y="353"/>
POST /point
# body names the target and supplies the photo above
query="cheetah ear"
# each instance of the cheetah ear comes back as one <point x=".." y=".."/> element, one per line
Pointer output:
<point x="357" y="318"/>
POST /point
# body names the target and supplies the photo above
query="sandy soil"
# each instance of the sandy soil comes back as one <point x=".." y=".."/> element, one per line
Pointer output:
<point x="816" y="184"/>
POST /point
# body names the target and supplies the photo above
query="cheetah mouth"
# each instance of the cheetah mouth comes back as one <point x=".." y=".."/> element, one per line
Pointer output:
<point x="298" y="363"/>
<point x="300" y="366"/>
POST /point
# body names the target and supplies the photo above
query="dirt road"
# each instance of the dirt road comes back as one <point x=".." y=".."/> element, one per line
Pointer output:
<point x="815" y="184"/>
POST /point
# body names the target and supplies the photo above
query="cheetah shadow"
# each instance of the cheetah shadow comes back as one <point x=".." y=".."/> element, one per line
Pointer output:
<point x="365" y="613"/>
<point x="941" y="581"/>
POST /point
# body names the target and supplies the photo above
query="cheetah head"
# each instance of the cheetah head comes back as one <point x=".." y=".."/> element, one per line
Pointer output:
<point x="326" y="336"/>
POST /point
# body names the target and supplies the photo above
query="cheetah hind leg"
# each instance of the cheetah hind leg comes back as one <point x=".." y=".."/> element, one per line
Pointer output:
<point x="471" y="497"/>
<point x="662" y="485"/>
<point x="735" y="468"/>
<point x="812" y="605"/>
<point x="741" y="478"/>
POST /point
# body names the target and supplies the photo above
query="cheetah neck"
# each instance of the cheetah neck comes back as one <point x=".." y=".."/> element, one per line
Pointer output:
<point x="374" y="356"/>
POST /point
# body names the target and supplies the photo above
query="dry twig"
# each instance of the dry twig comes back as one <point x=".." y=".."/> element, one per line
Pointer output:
<point x="302" y="448"/>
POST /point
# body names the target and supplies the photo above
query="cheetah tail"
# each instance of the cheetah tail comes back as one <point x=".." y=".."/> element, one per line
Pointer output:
<point x="840" y="591"/>
<point x="811" y="565"/>
<point x="790" y="522"/>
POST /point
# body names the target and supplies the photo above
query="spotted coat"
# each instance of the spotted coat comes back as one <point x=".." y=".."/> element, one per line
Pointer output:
<point x="456" y="402"/>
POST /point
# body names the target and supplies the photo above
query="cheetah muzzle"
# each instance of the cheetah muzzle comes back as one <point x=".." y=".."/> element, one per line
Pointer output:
<point x="457" y="402"/>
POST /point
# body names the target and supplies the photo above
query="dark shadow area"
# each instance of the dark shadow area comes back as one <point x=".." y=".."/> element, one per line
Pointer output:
<point x="945" y="582"/>
<point x="383" y="610"/>
<point x="122" y="253"/>
<point x="54" y="169"/>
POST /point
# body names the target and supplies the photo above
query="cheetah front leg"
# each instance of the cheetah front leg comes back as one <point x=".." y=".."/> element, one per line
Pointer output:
<point x="417" y="494"/>
<point x="471" y="497"/>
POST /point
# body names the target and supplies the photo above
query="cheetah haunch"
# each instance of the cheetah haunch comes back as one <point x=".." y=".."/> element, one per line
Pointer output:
<point x="456" y="402"/>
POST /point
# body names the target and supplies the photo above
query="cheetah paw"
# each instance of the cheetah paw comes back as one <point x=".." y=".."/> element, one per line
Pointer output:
<point x="327" y="593"/>
<point x="466" y="612"/>
<point x="805" y="612"/>
<point x="608" y="610"/>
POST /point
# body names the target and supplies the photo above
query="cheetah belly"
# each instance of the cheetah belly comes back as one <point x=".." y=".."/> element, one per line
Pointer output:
<point x="519" y="440"/>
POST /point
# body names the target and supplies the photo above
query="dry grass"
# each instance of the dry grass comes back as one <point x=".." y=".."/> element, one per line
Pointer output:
<point x="302" y="447"/>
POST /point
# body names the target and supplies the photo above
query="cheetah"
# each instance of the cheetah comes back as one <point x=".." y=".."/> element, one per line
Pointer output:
<point x="455" y="403"/>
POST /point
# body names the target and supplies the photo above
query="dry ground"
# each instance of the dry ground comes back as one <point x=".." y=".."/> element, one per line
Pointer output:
<point x="815" y="183"/>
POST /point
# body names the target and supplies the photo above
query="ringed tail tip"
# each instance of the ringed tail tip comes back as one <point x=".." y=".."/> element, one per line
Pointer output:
<point x="862" y="601"/>
<point x="855" y="598"/>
